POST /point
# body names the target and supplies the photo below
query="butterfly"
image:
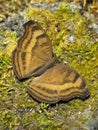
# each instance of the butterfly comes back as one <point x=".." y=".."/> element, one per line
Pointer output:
<point x="54" y="81"/>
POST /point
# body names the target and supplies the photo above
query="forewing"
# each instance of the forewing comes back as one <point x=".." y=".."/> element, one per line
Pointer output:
<point x="33" y="51"/>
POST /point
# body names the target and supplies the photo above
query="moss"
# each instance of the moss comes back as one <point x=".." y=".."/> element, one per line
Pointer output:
<point x="7" y="42"/>
<point x="17" y="108"/>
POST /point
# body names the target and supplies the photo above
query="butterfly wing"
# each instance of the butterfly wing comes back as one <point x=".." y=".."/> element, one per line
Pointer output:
<point x="58" y="83"/>
<point x="33" y="54"/>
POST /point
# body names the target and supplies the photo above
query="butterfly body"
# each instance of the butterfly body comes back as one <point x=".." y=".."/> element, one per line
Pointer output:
<point x="33" y="56"/>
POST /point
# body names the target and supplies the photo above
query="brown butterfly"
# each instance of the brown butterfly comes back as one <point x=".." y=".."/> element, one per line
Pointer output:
<point x="33" y="56"/>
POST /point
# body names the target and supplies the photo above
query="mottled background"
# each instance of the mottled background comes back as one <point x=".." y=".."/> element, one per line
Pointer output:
<point x="72" y="27"/>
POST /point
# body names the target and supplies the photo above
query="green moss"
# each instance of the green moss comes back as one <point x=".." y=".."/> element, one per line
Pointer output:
<point x="17" y="108"/>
